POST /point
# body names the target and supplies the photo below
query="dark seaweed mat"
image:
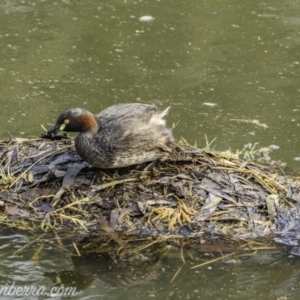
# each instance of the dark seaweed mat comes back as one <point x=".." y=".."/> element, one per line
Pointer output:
<point x="193" y="193"/>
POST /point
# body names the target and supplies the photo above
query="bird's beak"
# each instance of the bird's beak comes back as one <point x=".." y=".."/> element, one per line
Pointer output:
<point x="53" y="129"/>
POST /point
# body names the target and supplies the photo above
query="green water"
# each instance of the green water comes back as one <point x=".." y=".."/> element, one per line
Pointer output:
<point x="218" y="64"/>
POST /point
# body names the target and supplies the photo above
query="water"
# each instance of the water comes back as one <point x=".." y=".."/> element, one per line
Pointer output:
<point x="218" y="64"/>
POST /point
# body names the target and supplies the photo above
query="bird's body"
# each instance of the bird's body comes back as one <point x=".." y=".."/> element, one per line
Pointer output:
<point x="119" y="136"/>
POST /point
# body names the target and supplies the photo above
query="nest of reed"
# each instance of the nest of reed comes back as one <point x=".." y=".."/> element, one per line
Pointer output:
<point x="195" y="192"/>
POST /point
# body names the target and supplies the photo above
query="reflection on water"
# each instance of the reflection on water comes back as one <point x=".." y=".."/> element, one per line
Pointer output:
<point x="11" y="6"/>
<point x="146" y="269"/>
<point x="241" y="56"/>
<point x="133" y="263"/>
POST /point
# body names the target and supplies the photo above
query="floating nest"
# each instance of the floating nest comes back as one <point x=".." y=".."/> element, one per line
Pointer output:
<point x="195" y="192"/>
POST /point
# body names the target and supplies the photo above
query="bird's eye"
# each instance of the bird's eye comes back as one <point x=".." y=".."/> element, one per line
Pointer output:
<point x="66" y="121"/>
